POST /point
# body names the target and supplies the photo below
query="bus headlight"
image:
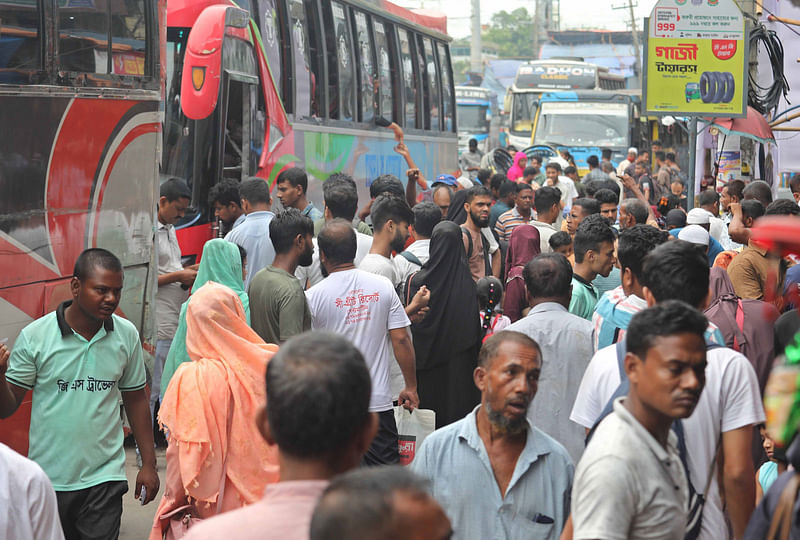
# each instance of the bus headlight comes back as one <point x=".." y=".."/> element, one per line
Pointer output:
<point x="198" y="77"/>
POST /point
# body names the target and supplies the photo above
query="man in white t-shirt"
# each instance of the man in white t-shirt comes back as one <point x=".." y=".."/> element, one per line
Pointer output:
<point x="391" y="217"/>
<point x="366" y="310"/>
<point x="548" y="207"/>
<point x="728" y="408"/>
<point x="426" y="217"/>
<point x="29" y="508"/>
<point x="341" y="201"/>
<point x="555" y="178"/>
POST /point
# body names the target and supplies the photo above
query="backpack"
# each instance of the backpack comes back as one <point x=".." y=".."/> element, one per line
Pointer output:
<point x="487" y="261"/>
<point x="753" y="339"/>
<point x="410" y="257"/>
<point x="696" y="500"/>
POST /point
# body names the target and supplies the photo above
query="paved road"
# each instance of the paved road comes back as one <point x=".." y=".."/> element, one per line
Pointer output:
<point x="137" y="520"/>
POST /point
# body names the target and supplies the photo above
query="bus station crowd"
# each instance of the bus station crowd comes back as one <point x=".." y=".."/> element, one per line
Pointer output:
<point x="595" y="353"/>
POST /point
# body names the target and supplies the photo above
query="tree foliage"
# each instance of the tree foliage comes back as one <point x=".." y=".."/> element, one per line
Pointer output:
<point x="512" y="33"/>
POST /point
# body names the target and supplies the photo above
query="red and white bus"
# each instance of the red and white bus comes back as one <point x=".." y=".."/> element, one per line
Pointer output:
<point x="80" y="92"/>
<point x="278" y="83"/>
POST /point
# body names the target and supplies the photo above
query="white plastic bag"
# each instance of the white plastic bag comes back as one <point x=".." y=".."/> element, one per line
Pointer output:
<point x="412" y="428"/>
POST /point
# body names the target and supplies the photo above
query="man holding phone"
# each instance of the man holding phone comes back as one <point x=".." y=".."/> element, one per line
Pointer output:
<point x="79" y="360"/>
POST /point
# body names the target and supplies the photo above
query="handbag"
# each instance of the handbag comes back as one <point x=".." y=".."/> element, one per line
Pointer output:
<point x="182" y="518"/>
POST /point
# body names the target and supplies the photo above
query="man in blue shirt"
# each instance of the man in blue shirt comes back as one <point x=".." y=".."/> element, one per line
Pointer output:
<point x="253" y="233"/>
<point x="292" y="187"/>
<point x="493" y="472"/>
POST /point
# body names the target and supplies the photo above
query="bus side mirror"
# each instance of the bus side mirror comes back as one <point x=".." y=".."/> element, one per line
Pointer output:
<point x="202" y="65"/>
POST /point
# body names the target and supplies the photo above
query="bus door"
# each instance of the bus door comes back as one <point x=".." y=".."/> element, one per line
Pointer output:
<point x="220" y="94"/>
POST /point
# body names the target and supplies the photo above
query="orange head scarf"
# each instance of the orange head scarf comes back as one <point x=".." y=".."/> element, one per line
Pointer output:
<point x="223" y="383"/>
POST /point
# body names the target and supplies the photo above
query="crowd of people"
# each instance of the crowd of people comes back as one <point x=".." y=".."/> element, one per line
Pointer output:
<point x="595" y="354"/>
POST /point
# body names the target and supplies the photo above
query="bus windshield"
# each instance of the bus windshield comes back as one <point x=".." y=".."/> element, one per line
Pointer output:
<point x="472" y="118"/>
<point x="582" y="124"/>
<point x="523" y="108"/>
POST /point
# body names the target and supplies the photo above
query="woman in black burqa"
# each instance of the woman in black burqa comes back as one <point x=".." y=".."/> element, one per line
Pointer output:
<point x="447" y="340"/>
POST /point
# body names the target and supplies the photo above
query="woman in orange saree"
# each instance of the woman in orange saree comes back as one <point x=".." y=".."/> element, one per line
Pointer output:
<point x="209" y="413"/>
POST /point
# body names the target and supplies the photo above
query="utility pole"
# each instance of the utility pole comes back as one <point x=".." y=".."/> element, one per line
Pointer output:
<point x="475" y="62"/>
<point x="637" y="66"/>
<point x="537" y="24"/>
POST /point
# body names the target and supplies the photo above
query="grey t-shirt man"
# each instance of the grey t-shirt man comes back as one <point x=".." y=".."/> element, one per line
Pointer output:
<point x="627" y="485"/>
<point x="278" y="306"/>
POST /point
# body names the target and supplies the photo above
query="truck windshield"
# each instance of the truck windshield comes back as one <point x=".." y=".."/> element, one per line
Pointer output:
<point x="523" y="108"/>
<point x="583" y="124"/>
<point x="472" y="118"/>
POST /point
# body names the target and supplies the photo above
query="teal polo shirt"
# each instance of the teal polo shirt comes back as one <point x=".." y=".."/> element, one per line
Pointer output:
<point x="584" y="298"/>
<point x="76" y="426"/>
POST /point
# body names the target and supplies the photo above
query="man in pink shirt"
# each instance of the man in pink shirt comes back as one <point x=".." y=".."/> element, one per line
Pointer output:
<point x="317" y="412"/>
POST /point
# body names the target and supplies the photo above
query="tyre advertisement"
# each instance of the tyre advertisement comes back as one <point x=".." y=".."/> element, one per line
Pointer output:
<point x="695" y="59"/>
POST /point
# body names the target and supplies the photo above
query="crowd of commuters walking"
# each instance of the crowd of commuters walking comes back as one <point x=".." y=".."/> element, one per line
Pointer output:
<point x="596" y="356"/>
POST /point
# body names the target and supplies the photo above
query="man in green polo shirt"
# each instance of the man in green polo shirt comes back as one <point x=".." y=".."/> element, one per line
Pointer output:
<point x="594" y="254"/>
<point x="78" y="360"/>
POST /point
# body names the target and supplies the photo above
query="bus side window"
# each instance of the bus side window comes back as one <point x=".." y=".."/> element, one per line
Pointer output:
<point x="385" y="87"/>
<point x="340" y="47"/>
<point x="83" y="38"/>
<point x="447" y="86"/>
<point x="19" y="42"/>
<point x="424" y="95"/>
<point x="129" y="26"/>
<point x="272" y="36"/>
<point x="306" y="59"/>
<point x="408" y="77"/>
<point x="434" y="78"/>
<point x="368" y="89"/>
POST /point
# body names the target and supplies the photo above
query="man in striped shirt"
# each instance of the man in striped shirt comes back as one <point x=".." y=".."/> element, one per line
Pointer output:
<point x="521" y="214"/>
<point x="615" y="309"/>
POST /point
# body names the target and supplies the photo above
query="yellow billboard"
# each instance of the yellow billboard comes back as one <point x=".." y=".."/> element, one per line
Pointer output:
<point x="695" y="59"/>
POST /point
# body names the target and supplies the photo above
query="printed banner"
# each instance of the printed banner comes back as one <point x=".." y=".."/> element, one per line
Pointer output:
<point x="695" y="59"/>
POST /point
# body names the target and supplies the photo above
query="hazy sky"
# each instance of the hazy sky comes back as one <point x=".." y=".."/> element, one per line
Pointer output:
<point x="574" y="13"/>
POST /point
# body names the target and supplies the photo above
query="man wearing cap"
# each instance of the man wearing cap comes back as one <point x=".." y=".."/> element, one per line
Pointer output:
<point x="675" y="219"/>
<point x="695" y="234"/>
<point x="470" y="161"/>
<point x="448" y="180"/>
<point x="627" y="162"/>
<point x="465" y="183"/>
<point x="709" y="201"/>
<point x="698" y="216"/>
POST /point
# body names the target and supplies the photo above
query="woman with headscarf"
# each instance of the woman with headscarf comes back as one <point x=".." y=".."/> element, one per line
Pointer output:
<point x="523" y="246"/>
<point x="221" y="263"/>
<point x="517" y="169"/>
<point x="447" y="340"/>
<point x="216" y="458"/>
